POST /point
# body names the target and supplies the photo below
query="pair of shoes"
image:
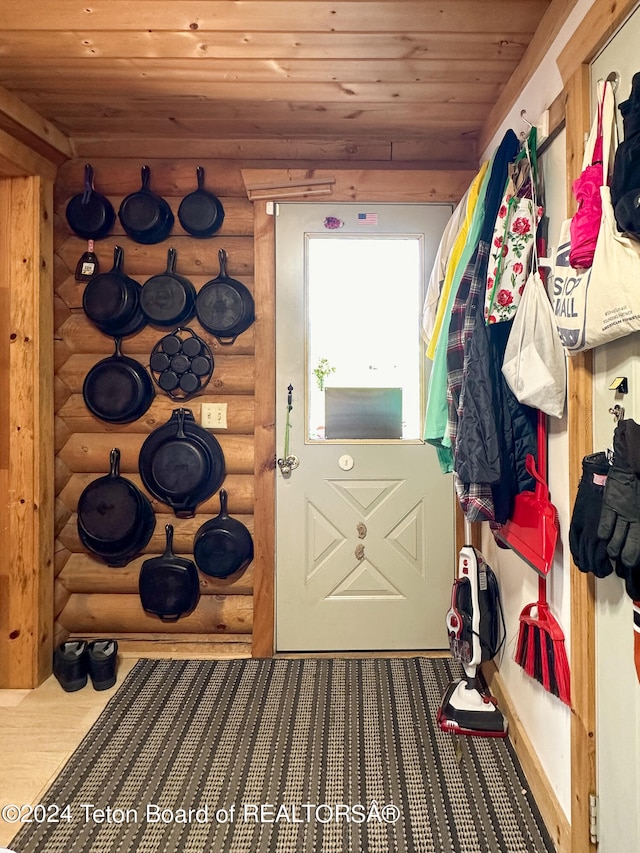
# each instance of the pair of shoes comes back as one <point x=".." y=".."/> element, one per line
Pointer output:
<point x="75" y="660"/>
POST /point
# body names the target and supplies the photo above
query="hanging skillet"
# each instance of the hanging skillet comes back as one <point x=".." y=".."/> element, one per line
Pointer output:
<point x="201" y="213"/>
<point x="145" y="216"/>
<point x="168" y="299"/>
<point x="222" y="545"/>
<point x="225" y="306"/>
<point x="181" y="463"/>
<point x="111" y="300"/>
<point x="89" y="214"/>
<point x="115" y="519"/>
<point x="169" y="585"/>
<point x="118" y="389"/>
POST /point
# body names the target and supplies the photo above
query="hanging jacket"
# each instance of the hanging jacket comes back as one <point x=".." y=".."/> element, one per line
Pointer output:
<point x="625" y="179"/>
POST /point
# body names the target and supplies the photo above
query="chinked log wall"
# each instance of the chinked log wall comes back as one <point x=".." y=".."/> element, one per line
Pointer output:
<point x="92" y="599"/>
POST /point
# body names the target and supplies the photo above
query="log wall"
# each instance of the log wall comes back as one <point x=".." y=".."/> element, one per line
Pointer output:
<point x="90" y="598"/>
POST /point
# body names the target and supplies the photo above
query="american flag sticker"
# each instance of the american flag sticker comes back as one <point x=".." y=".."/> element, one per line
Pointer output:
<point x="367" y="219"/>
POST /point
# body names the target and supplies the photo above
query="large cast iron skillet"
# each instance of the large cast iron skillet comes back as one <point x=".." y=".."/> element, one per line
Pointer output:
<point x="169" y="586"/>
<point x="181" y="463"/>
<point x="223" y="545"/>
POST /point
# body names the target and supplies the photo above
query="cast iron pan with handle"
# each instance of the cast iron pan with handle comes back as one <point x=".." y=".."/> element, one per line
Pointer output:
<point x="118" y="389"/>
<point x="145" y="216"/>
<point x="89" y="214"/>
<point x="201" y="213"/>
<point x="225" y="306"/>
<point x="168" y="299"/>
<point x="223" y="545"/>
<point x="111" y="300"/>
<point x="169" y="585"/>
<point x="181" y="463"/>
<point x="115" y="519"/>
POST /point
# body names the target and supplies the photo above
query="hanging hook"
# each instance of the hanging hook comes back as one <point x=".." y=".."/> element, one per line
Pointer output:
<point x="613" y="78"/>
<point x="523" y="116"/>
<point x="617" y="412"/>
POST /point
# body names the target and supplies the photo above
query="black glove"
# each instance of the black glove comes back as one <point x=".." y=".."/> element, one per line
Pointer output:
<point x="620" y="518"/>
<point x="589" y="552"/>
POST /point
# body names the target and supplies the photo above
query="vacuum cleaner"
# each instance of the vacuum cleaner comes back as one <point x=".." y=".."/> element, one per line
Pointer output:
<point x="475" y="624"/>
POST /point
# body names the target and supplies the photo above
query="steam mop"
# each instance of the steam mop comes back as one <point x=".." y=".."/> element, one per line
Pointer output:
<point x="467" y="708"/>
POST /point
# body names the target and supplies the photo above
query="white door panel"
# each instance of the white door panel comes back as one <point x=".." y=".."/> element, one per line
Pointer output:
<point x="364" y="551"/>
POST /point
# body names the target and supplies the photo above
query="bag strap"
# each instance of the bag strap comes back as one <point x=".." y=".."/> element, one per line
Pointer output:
<point x="603" y="138"/>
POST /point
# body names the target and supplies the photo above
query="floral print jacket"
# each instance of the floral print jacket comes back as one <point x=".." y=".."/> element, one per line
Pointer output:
<point x="513" y="239"/>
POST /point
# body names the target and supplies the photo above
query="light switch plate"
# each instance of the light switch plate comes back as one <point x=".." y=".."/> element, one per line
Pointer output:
<point x="214" y="415"/>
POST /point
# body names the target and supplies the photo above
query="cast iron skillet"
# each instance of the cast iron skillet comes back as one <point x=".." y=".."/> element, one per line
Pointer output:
<point x="111" y="300"/>
<point x="115" y="519"/>
<point x="225" y="306"/>
<point x="89" y="214"/>
<point x="201" y="213"/>
<point x="181" y="464"/>
<point x="168" y="299"/>
<point x="145" y="216"/>
<point x="169" y="586"/>
<point x="118" y="389"/>
<point x="222" y="545"/>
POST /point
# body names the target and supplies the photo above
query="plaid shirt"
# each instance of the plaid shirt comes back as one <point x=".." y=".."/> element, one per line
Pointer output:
<point x="476" y="499"/>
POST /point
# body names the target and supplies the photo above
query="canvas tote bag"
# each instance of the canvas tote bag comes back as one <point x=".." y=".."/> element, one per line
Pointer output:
<point x="601" y="304"/>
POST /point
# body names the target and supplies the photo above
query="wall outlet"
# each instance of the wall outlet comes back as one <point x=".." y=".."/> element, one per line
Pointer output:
<point x="214" y="415"/>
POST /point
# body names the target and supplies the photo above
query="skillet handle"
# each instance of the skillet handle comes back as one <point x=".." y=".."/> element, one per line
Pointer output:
<point x="145" y="174"/>
<point x="114" y="463"/>
<point x="226" y="342"/>
<point x="168" y="551"/>
<point x="200" y="177"/>
<point x="88" y="183"/>
<point x="222" y="258"/>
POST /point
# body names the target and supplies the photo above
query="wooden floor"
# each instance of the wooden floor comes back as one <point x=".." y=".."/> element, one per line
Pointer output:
<point x="39" y="729"/>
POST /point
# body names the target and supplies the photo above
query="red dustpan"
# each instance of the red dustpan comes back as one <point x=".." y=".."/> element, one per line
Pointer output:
<point x="532" y="530"/>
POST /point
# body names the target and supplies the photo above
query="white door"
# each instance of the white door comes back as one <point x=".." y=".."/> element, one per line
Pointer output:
<point x="618" y="691"/>
<point x="364" y="522"/>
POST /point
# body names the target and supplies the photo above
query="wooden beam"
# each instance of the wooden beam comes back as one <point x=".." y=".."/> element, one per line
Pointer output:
<point x="26" y="638"/>
<point x="550" y="26"/>
<point x="580" y="428"/>
<point x="24" y="123"/>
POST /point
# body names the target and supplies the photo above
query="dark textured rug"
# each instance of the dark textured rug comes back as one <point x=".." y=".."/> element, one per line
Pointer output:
<point x="285" y="756"/>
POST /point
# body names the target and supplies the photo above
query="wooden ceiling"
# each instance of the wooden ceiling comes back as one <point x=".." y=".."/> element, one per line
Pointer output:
<point x="403" y="80"/>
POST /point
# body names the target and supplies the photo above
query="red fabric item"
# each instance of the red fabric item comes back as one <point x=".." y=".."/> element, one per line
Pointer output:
<point x="585" y="223"/>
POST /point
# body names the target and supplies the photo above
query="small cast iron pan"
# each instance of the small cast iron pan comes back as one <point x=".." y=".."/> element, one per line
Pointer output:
<point x="181" y="366"/>
<point x="145" y="216"/>
<point x="115" y="519"/>
<point x="118" y="389"/>
<point x="169" y="586"/>
<point x="222" y="545"/>
<point x="201" y="213"/>
<point x="181" y="464"/>
<point x="225" y="306"/>
<point x="168" y="299"/>
<point x="89" y="214"/>
<point x="111" y="300"/>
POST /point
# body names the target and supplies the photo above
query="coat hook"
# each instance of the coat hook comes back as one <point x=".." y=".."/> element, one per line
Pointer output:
<point x="614" y="79"/>
<point x="523" y="116"/>
<point x="617" y="412"/>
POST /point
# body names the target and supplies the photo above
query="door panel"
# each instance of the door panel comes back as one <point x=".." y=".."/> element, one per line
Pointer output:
<point x="364" y="526"/>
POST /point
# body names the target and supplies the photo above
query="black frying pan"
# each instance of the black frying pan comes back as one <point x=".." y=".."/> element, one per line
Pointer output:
<point x="181" y="463"/>
<point x="89" y="214"/>
<point x="225" y="306"/>
<point x="168" y="299"/>
<point x="118" y="389"/>
<point x="201" y="213"/>
<point x="115" y="519"/>
<point x="111" y="300"/>
<point x="222" y="545"/>
<point x="169" y="585"/>
<point x="145" y="216"/>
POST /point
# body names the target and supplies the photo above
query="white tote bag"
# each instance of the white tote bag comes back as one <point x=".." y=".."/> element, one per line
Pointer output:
<point x="534" y="364"/>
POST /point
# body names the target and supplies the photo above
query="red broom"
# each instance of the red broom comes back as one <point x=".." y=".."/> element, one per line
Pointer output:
<point x="540" y="650"/>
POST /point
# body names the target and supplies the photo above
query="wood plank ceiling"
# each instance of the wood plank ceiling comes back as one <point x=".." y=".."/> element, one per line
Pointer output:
<point x="403" y="80"/>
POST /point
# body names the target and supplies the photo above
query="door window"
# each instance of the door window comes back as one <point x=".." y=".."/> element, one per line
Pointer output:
<point x="363" y="348"/>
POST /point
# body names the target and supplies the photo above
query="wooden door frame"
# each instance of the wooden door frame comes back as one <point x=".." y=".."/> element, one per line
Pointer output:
<point x="596" y="28"/>
<point x="265" y="186"/>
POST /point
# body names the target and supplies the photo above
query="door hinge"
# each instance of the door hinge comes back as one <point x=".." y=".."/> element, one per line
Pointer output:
<point x="593" y="818"/>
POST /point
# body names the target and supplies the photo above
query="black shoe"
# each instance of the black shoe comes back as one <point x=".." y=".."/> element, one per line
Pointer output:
<point x="103" y="656"/>
<point x="71" y="665"/>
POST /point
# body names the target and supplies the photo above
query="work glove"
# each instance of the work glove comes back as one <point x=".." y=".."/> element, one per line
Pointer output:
<point x="620" y="517"/>
<point x="589" y="552"/>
